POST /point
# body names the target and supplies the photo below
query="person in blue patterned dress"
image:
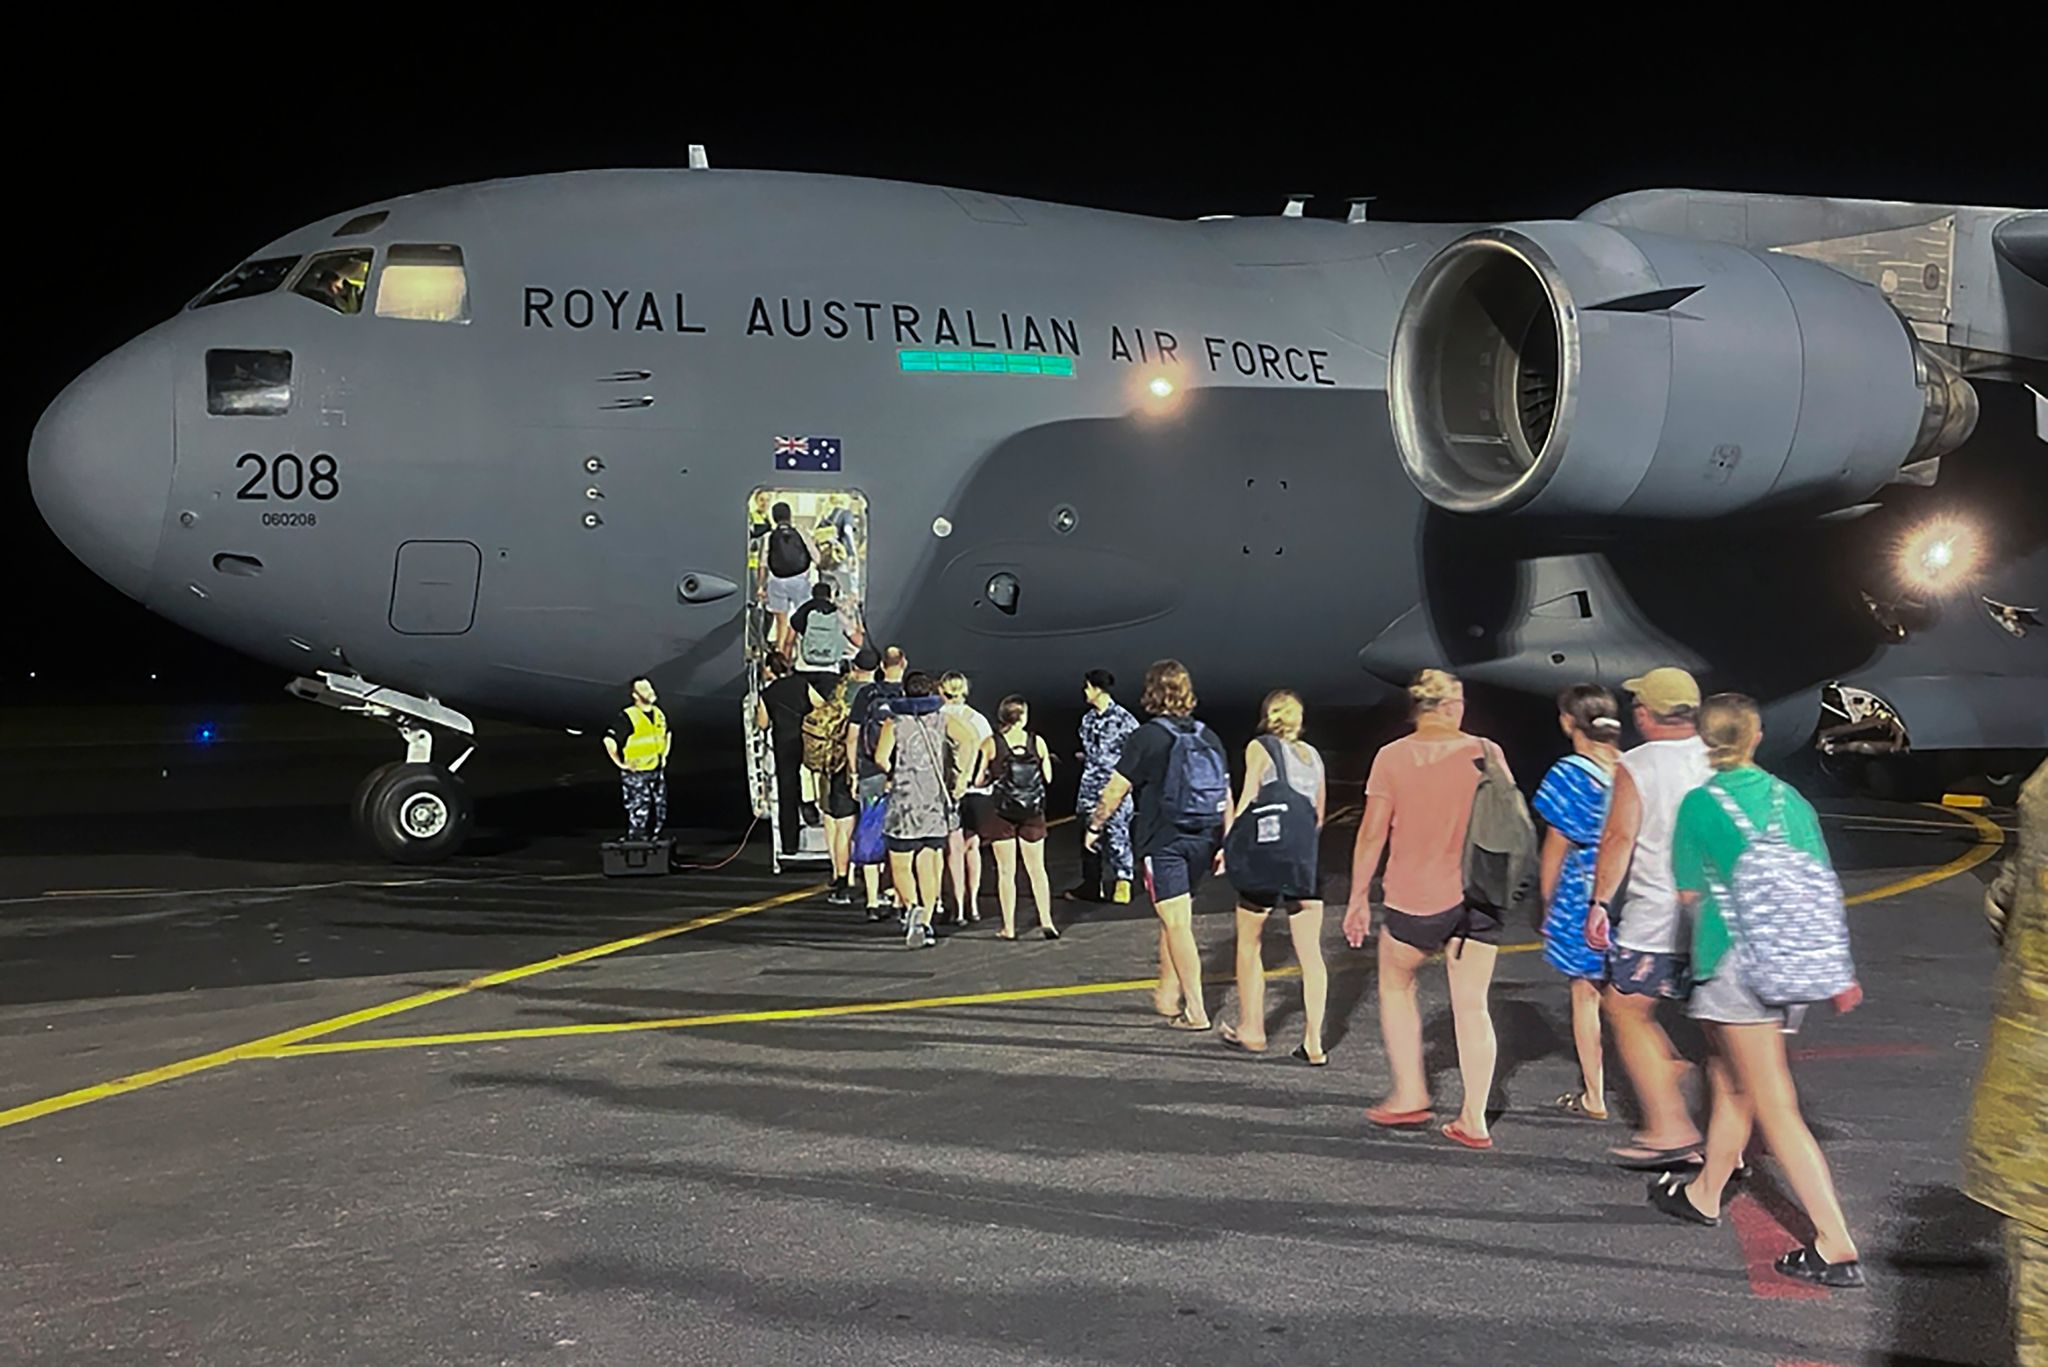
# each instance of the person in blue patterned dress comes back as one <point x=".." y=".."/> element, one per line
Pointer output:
<point x="1572" y="800"/>
<point x="1105" y="726"/>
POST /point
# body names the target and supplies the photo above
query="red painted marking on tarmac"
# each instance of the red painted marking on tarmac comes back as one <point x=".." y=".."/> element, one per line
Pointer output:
<point x="1821" y="1052"/>
<point x="1762" y="1243"/>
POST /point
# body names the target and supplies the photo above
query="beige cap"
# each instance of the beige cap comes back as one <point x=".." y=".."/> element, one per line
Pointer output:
<point x="1664" y="690"/>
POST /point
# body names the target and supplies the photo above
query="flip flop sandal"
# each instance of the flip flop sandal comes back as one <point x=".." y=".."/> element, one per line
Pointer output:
<point x="1457" y="1134"/>
<point x="1399" y="1120"/>
<point x="1301" y="1052"/>
<point x="1574" y="1104"/>
<point x="1162" y="1010"/>
<point x="1182" y="1022"/>
<point x="1642" y="1158"/>
<point x="1806" y="1265"/>
<point x="1667" y="1194"/>
<point x="1236" y="1041"/>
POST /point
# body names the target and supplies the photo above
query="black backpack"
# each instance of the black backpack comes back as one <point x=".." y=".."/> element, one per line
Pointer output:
<point x="1020" y="782"/>
<point x="788" y="553"/>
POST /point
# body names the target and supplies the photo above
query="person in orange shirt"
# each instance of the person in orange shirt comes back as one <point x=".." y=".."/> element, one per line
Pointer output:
<point x="1418" y="803"/>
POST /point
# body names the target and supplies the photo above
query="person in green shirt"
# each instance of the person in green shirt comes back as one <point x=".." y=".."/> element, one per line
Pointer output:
<point x="1751" y="1079"/>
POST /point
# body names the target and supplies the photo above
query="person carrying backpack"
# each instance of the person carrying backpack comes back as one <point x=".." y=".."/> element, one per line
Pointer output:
<point x="1020" y="767"/>
<point x="785" y="573"/>
<point x="1769" y="939"/>
<point x="1271" y="859"/>
<point x="822" y="635"/>
<point x="1419" y="801"/>
<point x="825" y="755"/>
<point x="1178" y="777"/>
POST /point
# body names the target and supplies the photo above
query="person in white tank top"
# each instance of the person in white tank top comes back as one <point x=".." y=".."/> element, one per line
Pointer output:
<point x="1645" y="961"/>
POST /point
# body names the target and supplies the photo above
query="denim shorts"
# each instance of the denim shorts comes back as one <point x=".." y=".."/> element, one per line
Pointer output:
<point x="1644" y="973"/>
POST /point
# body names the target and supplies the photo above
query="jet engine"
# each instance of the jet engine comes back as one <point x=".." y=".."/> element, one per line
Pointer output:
<point x="1577" y="370"/>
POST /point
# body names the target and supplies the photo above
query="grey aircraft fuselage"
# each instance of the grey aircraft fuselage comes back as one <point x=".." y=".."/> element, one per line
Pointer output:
<point x="500" y="512"/>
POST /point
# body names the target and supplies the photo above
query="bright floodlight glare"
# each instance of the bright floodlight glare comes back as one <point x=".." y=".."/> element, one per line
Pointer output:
<point x="1939" y="557"/>
<point x="1161" y="387"/>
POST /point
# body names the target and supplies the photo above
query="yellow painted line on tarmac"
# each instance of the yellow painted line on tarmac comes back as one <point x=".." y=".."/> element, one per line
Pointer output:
<point x="270" y="1044"/>
<point x="1990" y="837"/>
<point x="791" y="1013"/>
<point x="788" y="1013"/>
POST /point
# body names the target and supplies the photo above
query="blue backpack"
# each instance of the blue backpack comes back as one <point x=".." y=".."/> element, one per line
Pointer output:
<point x="1197" y="778"/>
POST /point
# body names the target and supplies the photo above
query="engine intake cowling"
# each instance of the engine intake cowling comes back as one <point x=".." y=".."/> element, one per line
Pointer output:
<point x="1578" y="370"/>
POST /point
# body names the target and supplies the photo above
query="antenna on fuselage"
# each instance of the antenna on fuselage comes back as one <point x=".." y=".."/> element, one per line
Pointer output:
<point x="698" y="160"/>
<point x="1295" y="204"/>
<point x="1360" y="209"/>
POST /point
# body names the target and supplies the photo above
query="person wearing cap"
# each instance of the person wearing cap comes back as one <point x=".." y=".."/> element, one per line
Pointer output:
<point x="1642" y="934"/>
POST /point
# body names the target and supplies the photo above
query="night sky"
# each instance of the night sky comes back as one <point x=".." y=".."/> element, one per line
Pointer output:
<point x="135" y="193"/>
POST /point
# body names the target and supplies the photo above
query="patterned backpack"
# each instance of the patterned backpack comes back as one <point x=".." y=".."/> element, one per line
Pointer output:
<point x="1785" y="909"/>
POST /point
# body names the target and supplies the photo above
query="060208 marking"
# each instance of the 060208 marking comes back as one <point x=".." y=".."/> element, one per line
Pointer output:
<point x="291" y="519"/>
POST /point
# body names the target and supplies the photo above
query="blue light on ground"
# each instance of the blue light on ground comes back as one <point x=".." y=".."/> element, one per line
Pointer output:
<point x="204" y="735"/>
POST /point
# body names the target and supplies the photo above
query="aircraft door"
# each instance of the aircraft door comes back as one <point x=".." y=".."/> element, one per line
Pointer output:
<point x="433" y="588"/>
<point x="830" y="545"/>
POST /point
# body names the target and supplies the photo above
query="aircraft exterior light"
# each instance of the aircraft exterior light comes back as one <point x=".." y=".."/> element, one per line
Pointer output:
<point x="1940" y="557"/>
<point x="1161" y="387"/>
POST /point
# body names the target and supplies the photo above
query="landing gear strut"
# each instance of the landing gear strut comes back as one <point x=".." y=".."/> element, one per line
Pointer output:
<point x="415" y="810"/>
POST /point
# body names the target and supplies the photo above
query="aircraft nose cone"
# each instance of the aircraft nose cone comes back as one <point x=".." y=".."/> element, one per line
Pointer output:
<point x="99" y="464"/>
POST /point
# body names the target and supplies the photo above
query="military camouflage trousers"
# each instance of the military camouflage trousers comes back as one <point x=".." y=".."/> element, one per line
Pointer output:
<point x="646" y="796"/>
<point x="2026" y="1260"/>
<point x="1115" y="849"/>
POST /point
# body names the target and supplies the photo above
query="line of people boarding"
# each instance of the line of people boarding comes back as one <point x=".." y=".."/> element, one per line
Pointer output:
<point x="1677" y="871"/>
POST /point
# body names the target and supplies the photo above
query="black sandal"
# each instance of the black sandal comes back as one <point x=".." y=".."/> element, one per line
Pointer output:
<point x="1806" y="1265"/>
<point x="1574" y="1104"/>
<point x="1301" y="1052"/>
<point x="1667" y="1194"/>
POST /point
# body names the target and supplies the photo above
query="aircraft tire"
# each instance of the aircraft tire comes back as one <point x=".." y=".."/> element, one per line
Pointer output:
<point x="359" y="811"/>
<point x="418" y="814"/>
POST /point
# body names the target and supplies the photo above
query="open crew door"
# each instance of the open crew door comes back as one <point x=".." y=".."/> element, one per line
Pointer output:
<point x="832" y="527"/>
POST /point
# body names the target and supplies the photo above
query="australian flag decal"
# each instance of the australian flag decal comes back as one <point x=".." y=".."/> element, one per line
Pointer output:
<point x="807" y="453"/>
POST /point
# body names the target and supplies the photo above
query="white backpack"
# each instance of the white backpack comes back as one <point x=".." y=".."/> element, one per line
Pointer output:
<point x="1785" y="909"/>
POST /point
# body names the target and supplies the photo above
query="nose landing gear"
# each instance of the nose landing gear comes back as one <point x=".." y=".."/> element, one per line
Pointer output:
<point x="416" y="810"/>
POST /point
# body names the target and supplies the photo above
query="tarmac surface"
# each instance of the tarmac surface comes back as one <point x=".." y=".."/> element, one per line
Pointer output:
<point x="266" y="1100"/>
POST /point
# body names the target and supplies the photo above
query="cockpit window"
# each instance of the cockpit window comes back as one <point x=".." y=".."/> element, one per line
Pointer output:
<point x="336" y="279"/>
<point x="248" y="383"/>
<point x="249" y="279"/>
<point x="423" y="282"/>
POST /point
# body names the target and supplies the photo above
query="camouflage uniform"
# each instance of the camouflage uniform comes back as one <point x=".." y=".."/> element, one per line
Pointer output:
<point x="1102" y="746"/>
<point x="646" y="794"/>
<point x="2006" y="1163"/>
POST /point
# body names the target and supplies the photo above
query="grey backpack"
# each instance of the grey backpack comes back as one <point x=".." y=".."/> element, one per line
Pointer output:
<point x="1500" y="860"/>
<point x="1784" y="908"/>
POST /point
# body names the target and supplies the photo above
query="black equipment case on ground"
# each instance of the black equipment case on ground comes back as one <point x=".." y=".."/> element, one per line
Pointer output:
<point x="637" y="858"/>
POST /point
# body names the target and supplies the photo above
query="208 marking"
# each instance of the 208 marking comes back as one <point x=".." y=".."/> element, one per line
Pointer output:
<point x="319" y="478"/>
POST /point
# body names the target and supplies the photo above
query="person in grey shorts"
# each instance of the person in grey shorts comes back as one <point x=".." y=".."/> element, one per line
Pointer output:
<point x="1751" y="1079"/>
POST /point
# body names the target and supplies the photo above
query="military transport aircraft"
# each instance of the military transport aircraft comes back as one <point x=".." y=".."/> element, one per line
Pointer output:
<point x="501" y="448"/>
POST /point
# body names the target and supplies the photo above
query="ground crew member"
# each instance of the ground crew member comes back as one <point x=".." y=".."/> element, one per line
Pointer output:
<point x="2006" y="1163"/>
<point x="638" y="743"/>
<point x="1106" y="871"/>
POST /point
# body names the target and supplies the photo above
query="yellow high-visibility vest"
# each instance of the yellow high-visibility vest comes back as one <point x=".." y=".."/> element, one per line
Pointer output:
<point x="644" y="748"/>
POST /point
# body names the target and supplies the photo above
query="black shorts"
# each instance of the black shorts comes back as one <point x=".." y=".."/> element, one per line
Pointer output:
<point x="976" y="811"/>
<point x="913" y="844"/>
<point x="1272" y="901"/>
<point x="1431" y="933"/>
<point x="1178" y="865"/>
<point x="995" y="826"/>
<point x="839" y="801"/>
